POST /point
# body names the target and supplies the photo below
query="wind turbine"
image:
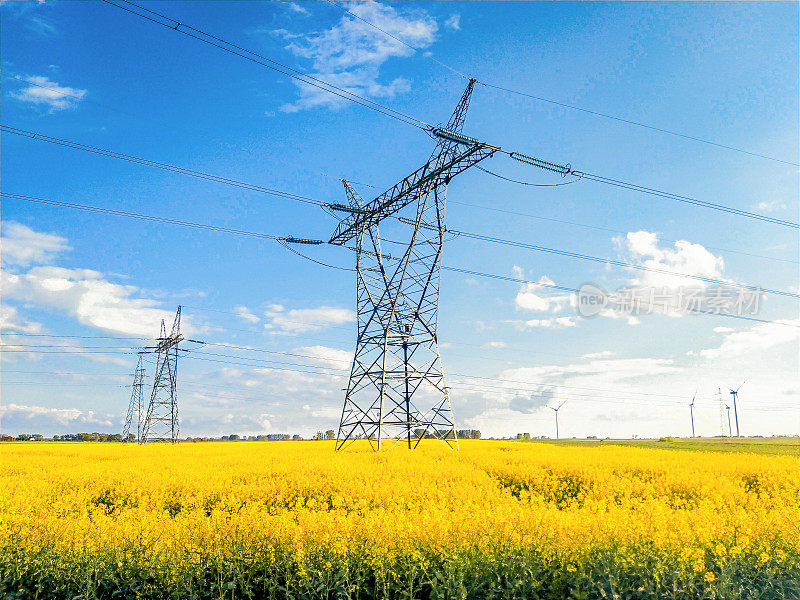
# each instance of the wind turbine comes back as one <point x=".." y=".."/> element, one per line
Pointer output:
<point x="691" y="411"/>
<point x="735" y="393"/>
<point x="555" y="410"/>
<point x="728" y="408"/>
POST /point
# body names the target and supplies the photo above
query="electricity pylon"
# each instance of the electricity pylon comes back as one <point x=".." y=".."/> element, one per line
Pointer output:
<point x="397" y="367"/>
<point x="161" y="422"/>
<point x="730" y="431"/>
<point x="135" y="406"/>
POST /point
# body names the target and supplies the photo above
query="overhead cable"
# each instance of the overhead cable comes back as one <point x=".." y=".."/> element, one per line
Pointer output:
<point x="254" y="57"/>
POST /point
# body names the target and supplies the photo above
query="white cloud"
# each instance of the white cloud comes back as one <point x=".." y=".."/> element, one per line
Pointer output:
<point x="22" y="246"/>
<point x="11" y="320"/>
<point x="529" y="296"/>
<point x="621" y="370"/>
<point x="531" y="403"/>
<point x="244" y="313"/>
<point x="752" y="342"/>
<point x="495" y="345"/>
<point x="82" y="293"/>
<point x="603" y="354"/>
<point x="87" y="296"/>
<point x="350" y="54"/>
<point x="553" y="323"/>
<point x="724" y="329"/>
<point x="685" y="258"/>
<point x="338" y="359"/>
<point x="770" y="206"/>
<point x="294" y="321"/>
<point x="18" y="416"/>
<point x="295" y="8"/>
<point x="42" y="91"/>
<point x="454" y="22"/>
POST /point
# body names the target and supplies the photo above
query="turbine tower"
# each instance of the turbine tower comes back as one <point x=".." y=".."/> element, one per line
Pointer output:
<point x="555" y="410"/>
<point x="135" y="406"/>
<point x="691" y="411"/>
<point x="397" y="389"/>
<point x="161" y="423"/>
<point x="735" y="394"/>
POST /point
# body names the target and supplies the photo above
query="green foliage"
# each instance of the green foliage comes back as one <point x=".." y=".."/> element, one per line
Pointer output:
<point x="274" y="571"/>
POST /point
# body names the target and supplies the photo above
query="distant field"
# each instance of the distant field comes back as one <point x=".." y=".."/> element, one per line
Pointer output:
<point x="499" y="519"/>
<point x="777" y="445"/>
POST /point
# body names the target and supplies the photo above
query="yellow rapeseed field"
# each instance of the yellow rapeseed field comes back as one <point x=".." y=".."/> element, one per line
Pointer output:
<point x="296" y="520"/>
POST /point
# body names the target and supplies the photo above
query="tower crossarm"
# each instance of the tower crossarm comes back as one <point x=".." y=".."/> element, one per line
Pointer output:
<point x="166" y="343"/>
<point x="406" y="191"/>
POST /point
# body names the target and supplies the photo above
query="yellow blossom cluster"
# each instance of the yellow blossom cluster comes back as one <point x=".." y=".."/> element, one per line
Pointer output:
<point x="260" y="516"/>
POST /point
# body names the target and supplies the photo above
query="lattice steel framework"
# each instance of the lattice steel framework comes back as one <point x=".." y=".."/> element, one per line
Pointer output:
<point x="161" y="422"/>
<point x="136" y="405"/>
<point x="397" y="387"/>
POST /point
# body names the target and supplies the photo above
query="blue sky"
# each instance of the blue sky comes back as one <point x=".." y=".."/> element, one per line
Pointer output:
<point x="94" y="74"/>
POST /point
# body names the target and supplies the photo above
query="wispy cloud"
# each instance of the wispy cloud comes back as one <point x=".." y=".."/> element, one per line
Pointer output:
<point x="291" y="322"/>
<point x="22" y="246"/>
<point x="85" y="294"/>
<point x="43" y="92"/>
<point x="11" y="320"/>
<point x="770" y="206"/>
<point x="351" y="53"/>
<point x="244" y="313"/>
<point x="295" y="8"/>
<point x="754" y="341"/>
<point x="554" y="323"/>
<point x="454" y="22"/>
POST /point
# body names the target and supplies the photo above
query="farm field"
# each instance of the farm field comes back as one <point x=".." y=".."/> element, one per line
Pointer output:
<point x="789" y="446"/>
<point x="495" y="520"/>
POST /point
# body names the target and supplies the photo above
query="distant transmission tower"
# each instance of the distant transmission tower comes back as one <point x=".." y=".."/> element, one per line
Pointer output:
<point x="135" y="407"/>
<point x="397" y="388"/>
<point x="161" y="422"/>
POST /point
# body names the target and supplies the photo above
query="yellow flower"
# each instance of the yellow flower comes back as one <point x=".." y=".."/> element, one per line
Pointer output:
<point x="708" y="577"/>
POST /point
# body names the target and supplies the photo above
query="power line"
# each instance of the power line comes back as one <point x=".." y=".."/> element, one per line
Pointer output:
<point x="493" y="174"/>
<point x="206" y="134"/>
<point x="309" y="200"/>
<point x="177" y="25"/>
<point x="639" y="124"/>
<point x="325" y="371"/>
<point x="328" y="371"/>
<point x="93" y="337"/>
<point x="456" y="344"/>
<point x="456" y="269"/>
<point x="685" y="199"/>
<point x="159" y="165"/>
<point x="564" y="104"/>
<point x="120" y="213"/>
<point x="617" y="263"/>
<point x="269" y="63"/>
<point x="608" y="229"/>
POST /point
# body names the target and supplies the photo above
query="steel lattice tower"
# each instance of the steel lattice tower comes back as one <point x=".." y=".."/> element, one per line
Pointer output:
<point x="135" y="407"/>
<point x="397" y="388"/>
<point x="161" y="422"/>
